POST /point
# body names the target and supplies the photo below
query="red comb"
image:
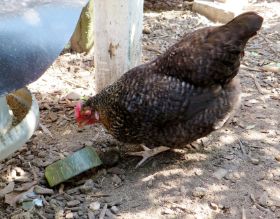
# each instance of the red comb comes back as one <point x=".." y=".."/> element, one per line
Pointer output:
<point x="78" y="110"/>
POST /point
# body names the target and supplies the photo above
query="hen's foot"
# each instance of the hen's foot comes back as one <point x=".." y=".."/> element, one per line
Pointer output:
<point x="147" y="153"/>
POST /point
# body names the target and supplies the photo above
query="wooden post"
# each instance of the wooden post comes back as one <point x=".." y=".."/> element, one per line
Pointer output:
<point x="117" y="40"/>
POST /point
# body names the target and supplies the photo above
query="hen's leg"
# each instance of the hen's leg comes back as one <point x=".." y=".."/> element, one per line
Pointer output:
<point x="147" y="153"/>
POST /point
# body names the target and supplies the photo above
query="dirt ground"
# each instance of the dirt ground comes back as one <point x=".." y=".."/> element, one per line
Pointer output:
<point x="233" y="173"/>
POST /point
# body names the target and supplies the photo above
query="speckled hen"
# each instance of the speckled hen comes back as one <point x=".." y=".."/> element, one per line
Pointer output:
<point x="181" y="96"/>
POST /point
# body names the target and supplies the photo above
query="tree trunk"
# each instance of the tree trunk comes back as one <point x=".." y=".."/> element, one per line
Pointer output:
<point x="82" y="40"/>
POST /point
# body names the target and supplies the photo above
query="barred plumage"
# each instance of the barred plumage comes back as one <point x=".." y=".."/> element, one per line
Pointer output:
<point x="184" y="94"/>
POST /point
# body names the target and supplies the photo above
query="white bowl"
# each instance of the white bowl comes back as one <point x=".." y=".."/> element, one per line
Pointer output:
<point x="15" y="136"/>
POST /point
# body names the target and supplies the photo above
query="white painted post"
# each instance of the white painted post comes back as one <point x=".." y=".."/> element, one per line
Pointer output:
<point x="117" y="40"/>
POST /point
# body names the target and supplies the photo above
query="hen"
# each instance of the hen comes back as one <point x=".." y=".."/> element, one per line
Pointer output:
<point x="183" y="95"/>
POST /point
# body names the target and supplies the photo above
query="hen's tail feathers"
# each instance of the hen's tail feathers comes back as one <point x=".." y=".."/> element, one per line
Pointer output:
<point x="245" y="25"/>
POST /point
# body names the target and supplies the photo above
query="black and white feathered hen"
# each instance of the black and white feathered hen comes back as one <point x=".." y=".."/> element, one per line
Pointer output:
<point x="184" y="94"/>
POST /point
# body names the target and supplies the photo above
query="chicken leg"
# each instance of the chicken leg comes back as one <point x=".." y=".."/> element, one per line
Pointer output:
<point x="147" y="153"/>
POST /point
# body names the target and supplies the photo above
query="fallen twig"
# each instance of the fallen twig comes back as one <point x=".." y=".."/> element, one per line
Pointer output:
<point x="258" y="86"/>
<point x="250" y="69"/>
<point x="45" y="130"/>
<point x="161" y="36"/>
<point x="243" y="213"/>
<point x="100" y="195"/>
<point x="242" y="147"/>
<point x="269" y="44"/>
<point x="149" y="48"/>
<point x="75" y="84"/>
<point x="33" y="172"/>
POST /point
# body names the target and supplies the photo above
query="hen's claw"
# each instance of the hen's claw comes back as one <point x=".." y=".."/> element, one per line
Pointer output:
<point x="147" y="153"/>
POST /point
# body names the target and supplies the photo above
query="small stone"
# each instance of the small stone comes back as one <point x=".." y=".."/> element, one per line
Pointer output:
<point x="233" y="176"/>
<point x="213" y="206"/>
<point x="87" y="187"/>
<point x="255" y="161"/>
<point x="73" y="203"/>
<point x="88" y="143"/>
<point x="167" y="211"/>
<point x="264" y="200"/>
<point x="114" y="209"/>
<point x="198" y="172"/>
<point x="69" y="215"/>
<point x="277" y="158"/>
<point x="150" y="183"/>
<point x="116" y="179"/>
<point x="80" y="213"/>
<point x="199" y="192"/>
<point x="109" y="214"/>
<point x="73" y="96"/>
<point x="220" y="173"/>
<point x="146" y="30"/>
<point x="94" y="206"/>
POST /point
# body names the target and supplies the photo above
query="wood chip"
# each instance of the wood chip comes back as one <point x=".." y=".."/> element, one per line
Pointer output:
<point x="9" y="188"/>
<point x="45" y="130"/>
<point x="43" y="191"/>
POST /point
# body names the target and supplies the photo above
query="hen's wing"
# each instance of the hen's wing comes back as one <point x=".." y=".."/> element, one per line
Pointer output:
<point x="211" y="55"/>
<point x="156" y="99"/>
